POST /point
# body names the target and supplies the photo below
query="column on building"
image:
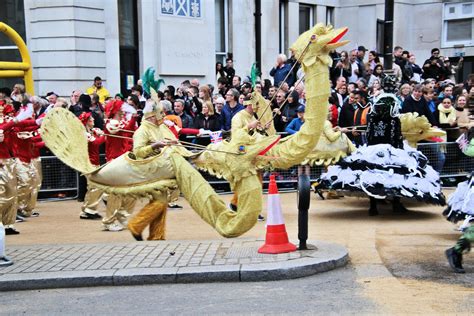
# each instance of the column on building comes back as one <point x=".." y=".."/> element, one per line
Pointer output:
<point x="71" y="42"/>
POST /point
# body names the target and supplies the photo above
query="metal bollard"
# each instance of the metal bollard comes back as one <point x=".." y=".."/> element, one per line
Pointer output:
<point x="304" y="195"/>
<point x="4" y="260"/>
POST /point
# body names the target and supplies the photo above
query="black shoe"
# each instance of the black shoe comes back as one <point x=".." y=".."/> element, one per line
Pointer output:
<point x="90" y="216"/>
<point x="4" y="262"/>
<point x="35" y="214"/>
<point x="11" y="231"/>
<point x="19" y="219"/>
<point x="455" y="260"/>
<point x="137" y="237"/>
<point x="373" y="211"/>
<point x="174" y="206"/>
<point x="260" y="218"/>
<point x="233" y="207"/>
<point x="399" y="209"/>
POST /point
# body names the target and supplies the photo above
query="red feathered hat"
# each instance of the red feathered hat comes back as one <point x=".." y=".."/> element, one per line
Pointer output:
<point x="84" y="117"/>
<point x="113" y="107"/>
<point x="6" y="108"/>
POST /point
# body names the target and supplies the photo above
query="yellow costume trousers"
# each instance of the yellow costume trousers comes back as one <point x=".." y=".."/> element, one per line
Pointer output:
<point x="36" y="165"/>
<point x="91" y="200"/>
<point x="26" y="183"/>
<point x="118" y="208"/>
<point x="153" y="215"/>
<point x="235" y="199"/>
<point x="8" y="192"/>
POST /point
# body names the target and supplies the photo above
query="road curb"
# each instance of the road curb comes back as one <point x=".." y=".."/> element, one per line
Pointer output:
<point x="326" y="256"/>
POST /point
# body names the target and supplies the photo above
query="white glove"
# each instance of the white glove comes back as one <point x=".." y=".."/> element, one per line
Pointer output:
<point x="25" y="114"/>
<point x="168" y="123"/>
<point x="203" y="131"/>
<point x="113" y="126"/>
<point x="98" y="131"/>
<point x="2" y="136"/>
<point x="39" y="121"/>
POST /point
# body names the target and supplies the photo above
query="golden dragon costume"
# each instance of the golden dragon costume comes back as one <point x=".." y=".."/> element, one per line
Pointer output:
<point x="236" y="160"/>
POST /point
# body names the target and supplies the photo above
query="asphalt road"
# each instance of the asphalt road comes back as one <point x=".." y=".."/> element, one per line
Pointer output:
<point x="332" y="292"/>
<point x="397" y="266"/>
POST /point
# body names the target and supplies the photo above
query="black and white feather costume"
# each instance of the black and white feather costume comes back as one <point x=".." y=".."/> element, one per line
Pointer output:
<point x="386" y="167"/>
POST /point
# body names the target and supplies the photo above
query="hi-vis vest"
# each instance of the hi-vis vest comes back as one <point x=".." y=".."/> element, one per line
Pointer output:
<point x="360" y="116"/>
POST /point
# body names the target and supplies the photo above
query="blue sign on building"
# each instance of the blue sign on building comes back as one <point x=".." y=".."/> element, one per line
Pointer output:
<point x="167" y="7"/>
<point x="182" y="8"/>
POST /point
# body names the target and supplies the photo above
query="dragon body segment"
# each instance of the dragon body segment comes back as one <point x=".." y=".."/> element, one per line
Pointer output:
<point x="236" y="160"/>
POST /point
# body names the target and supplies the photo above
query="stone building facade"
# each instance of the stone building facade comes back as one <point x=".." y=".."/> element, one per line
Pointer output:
<point x="72" y="41"/>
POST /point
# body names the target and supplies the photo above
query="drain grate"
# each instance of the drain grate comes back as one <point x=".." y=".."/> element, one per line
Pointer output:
<point x="244" y="252"/>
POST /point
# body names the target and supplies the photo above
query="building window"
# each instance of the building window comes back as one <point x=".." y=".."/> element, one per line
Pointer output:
<point x="330" y="15"/>
<point x="306" y="17"/>
<point x="222" y="29"/>
<point x="459" y="30"/>
<point x="458" y="24"/>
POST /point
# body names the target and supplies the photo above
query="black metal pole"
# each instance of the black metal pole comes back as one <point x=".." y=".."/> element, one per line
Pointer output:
<point x="304" y="196"/>
<point x="388" y="35"/>
<point x="258" y="33"/>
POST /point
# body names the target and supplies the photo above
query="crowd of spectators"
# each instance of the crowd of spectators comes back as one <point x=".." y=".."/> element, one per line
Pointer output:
<point x="356" y="76"/>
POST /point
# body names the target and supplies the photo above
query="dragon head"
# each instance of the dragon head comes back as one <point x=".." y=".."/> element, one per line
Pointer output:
<point x="416" y="128"/>
<point x="324" y="39"/>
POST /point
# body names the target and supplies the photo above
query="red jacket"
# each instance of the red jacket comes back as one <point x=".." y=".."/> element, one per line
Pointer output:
<point x="9" y="128"/>
<point x="5" y="146"/>
<point x="37" y="143"/>
<point x="116" y="146"/>
<point x="183" y="131"/>
<point x="334" y="114"/>
<point x="94" y="141"/>
<point x="23" y="147"/>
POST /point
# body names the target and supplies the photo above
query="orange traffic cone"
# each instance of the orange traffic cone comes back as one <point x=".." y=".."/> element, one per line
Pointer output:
<point x="276" y="239"/>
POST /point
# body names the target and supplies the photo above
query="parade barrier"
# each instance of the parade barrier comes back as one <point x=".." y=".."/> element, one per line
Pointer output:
<point x="276" y="239"/>
<point x="23" y="69"/>
<point x="59" y="178"/>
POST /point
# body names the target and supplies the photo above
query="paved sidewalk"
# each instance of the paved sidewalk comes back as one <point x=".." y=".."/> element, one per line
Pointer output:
<point x="55" y="266"/>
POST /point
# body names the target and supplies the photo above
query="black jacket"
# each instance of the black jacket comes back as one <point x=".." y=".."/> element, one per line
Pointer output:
<point x="420" y="107"/>
<point x="212" y="123"/>
<point x="346" y="116"/>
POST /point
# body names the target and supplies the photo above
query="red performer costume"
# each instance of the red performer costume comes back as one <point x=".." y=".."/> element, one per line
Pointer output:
<point x="28" y="166"/>
<point x="95" y="138"/>
<point x="8" y="180"/>
<point x="117" y="132"/>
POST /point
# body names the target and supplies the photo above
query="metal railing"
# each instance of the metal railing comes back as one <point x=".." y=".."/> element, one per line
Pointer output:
<point x="447" y="157"/>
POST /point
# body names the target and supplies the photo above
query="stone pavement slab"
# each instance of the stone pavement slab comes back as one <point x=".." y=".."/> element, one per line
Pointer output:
<point x="136" y="263"/>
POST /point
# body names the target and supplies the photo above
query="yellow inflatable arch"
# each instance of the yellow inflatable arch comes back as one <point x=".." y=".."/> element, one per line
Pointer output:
<point x="23" y="69"/>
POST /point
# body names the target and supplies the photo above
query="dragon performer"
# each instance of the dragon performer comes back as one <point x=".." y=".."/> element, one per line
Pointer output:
<point x="166" y="167"/>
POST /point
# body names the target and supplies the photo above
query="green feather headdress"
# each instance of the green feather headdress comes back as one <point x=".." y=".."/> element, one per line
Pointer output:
<point x="253" y="74"/>
<point x="148" y="81"/>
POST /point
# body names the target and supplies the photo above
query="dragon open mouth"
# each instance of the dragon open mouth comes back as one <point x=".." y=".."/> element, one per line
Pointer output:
<point x="339" y="36"/>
